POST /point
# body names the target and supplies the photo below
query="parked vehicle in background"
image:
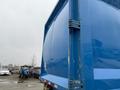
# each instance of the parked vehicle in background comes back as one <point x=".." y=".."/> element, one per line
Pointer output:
<point x="36" y="72"/>
<point x="24" y="71"/>
<point x="15" y="71"/>
<point x="81" y="48"/>
<point x="29" y="72"/>
<point x="4" y="72"/>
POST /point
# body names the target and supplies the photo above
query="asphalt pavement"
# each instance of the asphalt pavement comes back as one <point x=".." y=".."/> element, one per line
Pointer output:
<point x="11" y="83"/>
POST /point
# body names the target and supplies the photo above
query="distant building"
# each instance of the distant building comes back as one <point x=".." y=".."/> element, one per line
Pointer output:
<point x="10" y="66"/>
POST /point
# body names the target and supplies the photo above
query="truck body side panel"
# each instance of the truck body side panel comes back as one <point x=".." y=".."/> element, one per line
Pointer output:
<point x="57" y="41"/>
<point x="99" y="46"/>
<point x="55" y="54"/>
<point x="100" y="22"/>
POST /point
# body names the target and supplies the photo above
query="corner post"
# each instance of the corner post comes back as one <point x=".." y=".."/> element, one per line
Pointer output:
<point x="74" y="46"/>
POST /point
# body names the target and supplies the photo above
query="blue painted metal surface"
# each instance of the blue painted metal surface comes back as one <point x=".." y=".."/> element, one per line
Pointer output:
<point x="54" y="60"/>
<point x="63" y="82"/>
<point x="94" y="52"/>
<point x="74" y="46"/>
<point x="24" y="72"/>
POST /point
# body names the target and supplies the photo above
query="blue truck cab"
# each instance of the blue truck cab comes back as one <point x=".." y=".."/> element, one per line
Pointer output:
<point x="81" y="49"/>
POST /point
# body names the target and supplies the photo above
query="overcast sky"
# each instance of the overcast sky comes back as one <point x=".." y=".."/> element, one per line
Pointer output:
<point x="21" y="29"/>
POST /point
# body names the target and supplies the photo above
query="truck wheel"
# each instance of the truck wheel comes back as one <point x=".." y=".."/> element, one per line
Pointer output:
<point x="47" y="87"/>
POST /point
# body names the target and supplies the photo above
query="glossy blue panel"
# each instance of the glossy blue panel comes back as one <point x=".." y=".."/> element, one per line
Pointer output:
<point x="114" y="3"/>
<point x="47" y="47"/>
<point x="56" y="46"/>
<point x="86" y="50"/>
<point x="100" y="44"/>
<point x="59" y="62"/>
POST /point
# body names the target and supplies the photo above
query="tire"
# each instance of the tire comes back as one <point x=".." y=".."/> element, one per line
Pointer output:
<point x="47" y="87"/>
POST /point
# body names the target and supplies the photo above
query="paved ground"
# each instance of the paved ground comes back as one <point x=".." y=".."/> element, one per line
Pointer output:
<point x="11" y="83"/>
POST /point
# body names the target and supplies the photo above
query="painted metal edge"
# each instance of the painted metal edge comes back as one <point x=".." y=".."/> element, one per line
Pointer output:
<point x="60" y="81"/>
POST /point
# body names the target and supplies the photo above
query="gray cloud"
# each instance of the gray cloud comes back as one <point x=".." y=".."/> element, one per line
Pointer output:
<point x="21" y="29"/>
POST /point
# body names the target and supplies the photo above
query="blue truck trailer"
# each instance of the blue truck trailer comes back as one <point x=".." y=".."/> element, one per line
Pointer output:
<point x="81" y="49"/>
